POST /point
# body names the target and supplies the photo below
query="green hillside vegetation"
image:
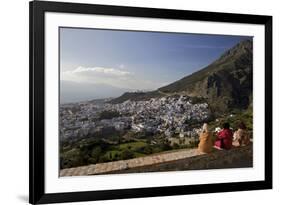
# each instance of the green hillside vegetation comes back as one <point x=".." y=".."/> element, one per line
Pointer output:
<point x="234" y="119"/>
<point x="91" y="151"/>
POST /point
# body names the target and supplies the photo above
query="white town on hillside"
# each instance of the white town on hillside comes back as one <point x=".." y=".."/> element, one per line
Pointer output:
<point x="167" y="115"/>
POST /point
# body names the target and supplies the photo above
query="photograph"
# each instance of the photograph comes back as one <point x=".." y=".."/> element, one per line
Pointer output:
<point x="133" y="102"/>
<point x="148" y="101"/>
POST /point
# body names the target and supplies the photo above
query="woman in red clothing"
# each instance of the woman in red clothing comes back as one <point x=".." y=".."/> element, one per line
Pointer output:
<point x="224" y="138"/>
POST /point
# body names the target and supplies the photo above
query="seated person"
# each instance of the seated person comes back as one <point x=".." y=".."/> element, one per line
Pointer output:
<point x="224" y="138"/>
<point x="206" y="143"/>
<point x="241" y="136"/>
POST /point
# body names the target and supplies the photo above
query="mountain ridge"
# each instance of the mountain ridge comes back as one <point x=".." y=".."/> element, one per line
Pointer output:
<point x="225" y="84"/>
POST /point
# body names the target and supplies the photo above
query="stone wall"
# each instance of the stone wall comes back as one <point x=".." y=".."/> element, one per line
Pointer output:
<point x="186" y="159"/>
<point x="241" y="157"/>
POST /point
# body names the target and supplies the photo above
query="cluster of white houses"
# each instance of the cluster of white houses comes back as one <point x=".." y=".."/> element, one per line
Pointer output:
<point x="168" y="115"/>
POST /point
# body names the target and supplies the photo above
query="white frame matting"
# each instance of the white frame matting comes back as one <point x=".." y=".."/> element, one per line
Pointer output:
<point x="56" y="184"/>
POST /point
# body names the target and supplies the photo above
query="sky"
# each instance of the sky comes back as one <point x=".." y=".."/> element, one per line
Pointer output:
<point x="97" y="63"/>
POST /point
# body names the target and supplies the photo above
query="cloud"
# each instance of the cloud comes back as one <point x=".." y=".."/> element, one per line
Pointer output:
<point x="116" y="77"/>
<point x="106" y="71"/>
<point x="105" y="75"/>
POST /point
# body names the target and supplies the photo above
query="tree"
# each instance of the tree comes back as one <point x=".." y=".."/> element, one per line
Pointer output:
<point x="116" y="156"/>
<point x="147" y="149"/>
<point x="95" y="155"/>
<point x="107" y="114"/>
<point x="127" y="154"/>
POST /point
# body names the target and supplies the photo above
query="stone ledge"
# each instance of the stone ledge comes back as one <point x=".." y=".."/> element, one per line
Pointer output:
<point x="219" y="159"/>
<point x="188" y="159"/>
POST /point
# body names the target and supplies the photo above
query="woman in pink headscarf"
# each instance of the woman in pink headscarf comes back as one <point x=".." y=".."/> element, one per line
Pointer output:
<point x="224" y="138"/>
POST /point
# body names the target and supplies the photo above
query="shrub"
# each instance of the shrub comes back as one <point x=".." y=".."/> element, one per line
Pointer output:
<point x="108" y="114"/>
<point x="127" y="154"/>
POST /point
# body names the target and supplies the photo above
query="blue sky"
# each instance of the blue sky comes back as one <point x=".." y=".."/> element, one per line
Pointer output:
<point x="130" y="60"/>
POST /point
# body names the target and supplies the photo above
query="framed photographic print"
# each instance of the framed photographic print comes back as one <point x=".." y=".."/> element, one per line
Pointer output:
<point x="140" y="102"/>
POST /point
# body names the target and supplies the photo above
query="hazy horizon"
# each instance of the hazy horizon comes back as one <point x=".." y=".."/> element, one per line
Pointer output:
<point x="97" y="64"/>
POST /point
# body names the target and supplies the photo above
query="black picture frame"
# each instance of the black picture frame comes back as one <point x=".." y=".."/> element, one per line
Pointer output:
<point x="37" y="9"/>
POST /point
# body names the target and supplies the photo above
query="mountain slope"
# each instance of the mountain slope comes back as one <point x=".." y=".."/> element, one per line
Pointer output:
<point x="225" y="84"/>
<point x="137" y="96"/>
